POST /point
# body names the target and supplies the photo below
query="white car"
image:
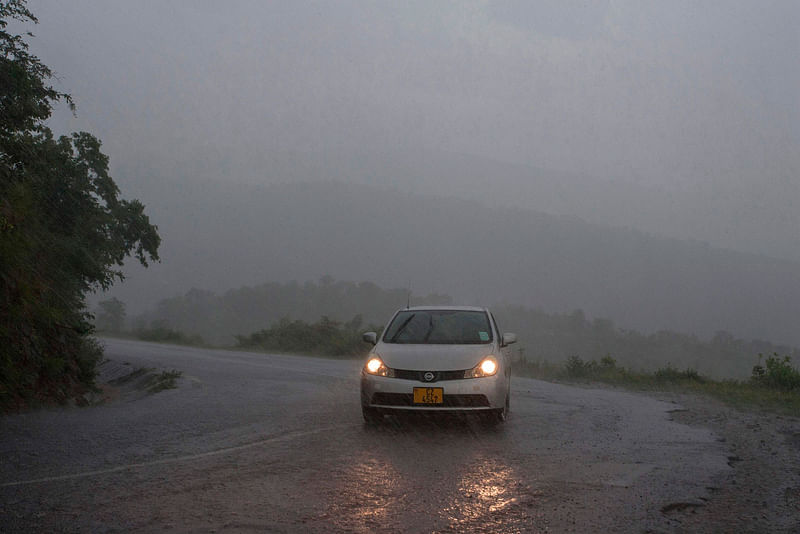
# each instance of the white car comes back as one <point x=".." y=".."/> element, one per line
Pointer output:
<point x="438" y="359"/>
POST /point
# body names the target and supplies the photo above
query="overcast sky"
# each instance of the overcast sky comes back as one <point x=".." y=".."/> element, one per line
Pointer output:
<point x="685" y="95"/>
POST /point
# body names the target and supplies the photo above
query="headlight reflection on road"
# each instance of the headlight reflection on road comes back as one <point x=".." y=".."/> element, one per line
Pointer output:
<point x="364" y="496"/>
<point x="426" y="479"/>
<point x="490" y="498"/>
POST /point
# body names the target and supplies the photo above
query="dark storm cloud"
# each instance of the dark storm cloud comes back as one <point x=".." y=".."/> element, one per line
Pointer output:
<point x="660" y="92"/>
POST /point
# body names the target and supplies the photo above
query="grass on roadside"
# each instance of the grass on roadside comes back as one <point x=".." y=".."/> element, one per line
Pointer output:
<point x="162" y="334"/>
<point x="163" y="380"/>
<point x="146" y="378"/>
<point x="774" y="386"/>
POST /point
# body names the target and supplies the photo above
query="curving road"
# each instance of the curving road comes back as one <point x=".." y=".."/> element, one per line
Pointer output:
<point x="254" y="442"/>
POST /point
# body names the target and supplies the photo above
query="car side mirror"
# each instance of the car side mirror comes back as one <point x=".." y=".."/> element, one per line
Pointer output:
<point x="509" y="338"/>
<point x="370" y="337"/>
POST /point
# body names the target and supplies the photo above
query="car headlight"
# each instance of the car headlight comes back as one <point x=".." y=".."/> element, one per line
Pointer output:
<point x="375" y="366"/>
<point x="487" y="367"/>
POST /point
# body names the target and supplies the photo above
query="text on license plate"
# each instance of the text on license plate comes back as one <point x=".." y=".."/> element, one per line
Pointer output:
<point x="428" y="395"/>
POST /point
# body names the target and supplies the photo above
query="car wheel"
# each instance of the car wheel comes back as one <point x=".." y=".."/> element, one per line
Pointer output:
<point x="495" y="417"/>
<point x="502" y="414"/>
<point x="371" y="415"/>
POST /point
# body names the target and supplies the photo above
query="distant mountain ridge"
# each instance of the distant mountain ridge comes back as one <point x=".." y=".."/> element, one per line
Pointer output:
<point x="759" y="218"/>
<point x="218" y="237"/>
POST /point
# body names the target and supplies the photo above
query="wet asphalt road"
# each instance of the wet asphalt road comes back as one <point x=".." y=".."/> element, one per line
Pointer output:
<point x="254" y="442"/>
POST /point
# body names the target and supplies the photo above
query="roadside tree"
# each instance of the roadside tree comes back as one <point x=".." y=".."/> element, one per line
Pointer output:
<point x="64" y="231"/>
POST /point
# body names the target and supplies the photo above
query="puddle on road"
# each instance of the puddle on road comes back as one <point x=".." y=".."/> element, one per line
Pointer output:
<point x="432" y="478"/>
<point x="365" y="496"/>
<point x="491" y="498"/>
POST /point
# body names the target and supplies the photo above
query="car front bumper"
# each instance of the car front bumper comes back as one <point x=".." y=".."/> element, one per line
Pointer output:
<point x="471" y="394"/>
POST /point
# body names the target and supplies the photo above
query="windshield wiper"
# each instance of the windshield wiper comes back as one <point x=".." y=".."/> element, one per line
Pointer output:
<point x="402" y="326"/>
<point x="430" y="329"/>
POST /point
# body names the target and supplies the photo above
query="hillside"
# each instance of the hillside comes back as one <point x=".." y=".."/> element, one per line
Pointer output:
<point x="327" y="317"/>
<point x="217" y="237"/>
<point x="751" y="218"/>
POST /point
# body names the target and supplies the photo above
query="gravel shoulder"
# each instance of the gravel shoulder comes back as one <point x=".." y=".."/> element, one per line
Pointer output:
<point x="761" y="492"/>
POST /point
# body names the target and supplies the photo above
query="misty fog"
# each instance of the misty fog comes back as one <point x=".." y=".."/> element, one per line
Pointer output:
<point x="636" y="161"/>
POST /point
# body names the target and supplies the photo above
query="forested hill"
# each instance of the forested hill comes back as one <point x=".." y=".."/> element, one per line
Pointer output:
<point x="222" y="236"/>
<point x="238" y="313"/>
<point x="218" y="318"/>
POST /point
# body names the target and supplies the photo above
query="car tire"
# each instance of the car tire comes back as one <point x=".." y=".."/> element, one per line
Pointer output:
<point x="500" y="415"/>
<point x="371" y="415"/>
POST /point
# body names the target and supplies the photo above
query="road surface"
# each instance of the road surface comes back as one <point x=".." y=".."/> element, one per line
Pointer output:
<point x="255" y="442"/>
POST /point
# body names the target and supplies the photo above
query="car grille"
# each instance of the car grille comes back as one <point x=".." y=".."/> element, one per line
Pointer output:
<point x="437" y="375"/>
<point x="448" y="401"/>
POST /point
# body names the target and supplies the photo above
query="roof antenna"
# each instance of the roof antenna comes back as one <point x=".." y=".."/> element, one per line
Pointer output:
<point x="408" y="298"/>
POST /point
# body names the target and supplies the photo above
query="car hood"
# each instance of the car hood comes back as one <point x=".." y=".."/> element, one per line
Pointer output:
<point x="432" y="357"/>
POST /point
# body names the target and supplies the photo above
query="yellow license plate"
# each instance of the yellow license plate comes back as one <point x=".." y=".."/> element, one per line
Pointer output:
<point x="428" y="395"/>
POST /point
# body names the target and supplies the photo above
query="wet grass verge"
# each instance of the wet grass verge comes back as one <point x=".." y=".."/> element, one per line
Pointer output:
<point x="166" y="336"/>
<point x="163" y="380"/>
<point x="149" y="380"/>
<point x="774" y="385"/>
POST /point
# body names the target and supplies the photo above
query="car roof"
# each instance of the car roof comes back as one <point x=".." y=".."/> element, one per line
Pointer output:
<point x="457" y="308"/>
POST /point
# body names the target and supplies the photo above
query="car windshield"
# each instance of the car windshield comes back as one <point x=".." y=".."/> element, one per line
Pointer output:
<point x="452" y="327"/>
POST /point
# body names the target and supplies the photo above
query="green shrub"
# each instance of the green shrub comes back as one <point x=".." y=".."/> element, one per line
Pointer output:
<point x="163" y="334"/>
<point x="607" y="362"/>
<point x="325" y="337"/>
<point x="606" y="370"/>
<point x="89" y="356"/>
<point x="776" y="373"/>
<point x="671" y="374"/>
<point x="577" y="368"/>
